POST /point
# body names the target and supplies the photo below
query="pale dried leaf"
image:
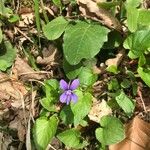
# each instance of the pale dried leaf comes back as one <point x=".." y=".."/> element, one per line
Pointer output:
<point x="22" y="69"/>
<point x="10" y="87"/>
<point x="50" y="56"/>
<point x="90" y="9"/>
<point x="137" y="136"/>
<point x="10" y="91"/>
<point x="98" y="110"/>
<point x="26" y="19"/>
<point x="117" y="60"/>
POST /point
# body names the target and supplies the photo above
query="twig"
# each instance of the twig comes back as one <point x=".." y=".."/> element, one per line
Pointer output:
<point x="17" y="7"/>
<point x="44" y="12"/>
<point x="50" y="146"/>
<point x="33" y="72"/>
<point x="32" y="102"/>
<point x="28" y="139"/>
<point x="23" y="34"/>
<point x="36" y="81"/>
<point x="23" y="107"/>
<point x="141" y="97"/>
<point x="37" y="19"/>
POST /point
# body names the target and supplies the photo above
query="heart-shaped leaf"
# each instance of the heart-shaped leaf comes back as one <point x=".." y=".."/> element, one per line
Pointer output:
<point x="83" y="40"/>
<point x="112" y="130"/>
<point x="43" y="131"/>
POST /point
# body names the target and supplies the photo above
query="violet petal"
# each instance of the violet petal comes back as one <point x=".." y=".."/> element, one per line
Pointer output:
<point x="75" y="83"/>
<point x="74" y="97"/>
<point x="63" y="84"/>
<point x="68" y="99"/>
<point x="63" y="98"/>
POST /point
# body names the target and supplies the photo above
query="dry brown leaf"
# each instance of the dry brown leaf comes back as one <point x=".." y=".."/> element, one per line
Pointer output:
<point x="10" y="91"/>
<point x="10" y="88"/>
<point x="117" y="60"/>
<point x="50" y="56"/>
<point x="98" y="110"/>
<point x="90" y="9"/>
<point x="22" y="69"/>
<point x="26" y="19"/>
<point x="137" y="136"/>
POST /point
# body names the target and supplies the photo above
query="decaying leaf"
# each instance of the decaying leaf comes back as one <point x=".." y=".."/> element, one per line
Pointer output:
<point x="5" y="141"/>
<point x="23" y="70"/>
<point x="98" y="110"/>
<point x="117" y="60"/>
<point x="10" y="88"/>
<point x="137" y="136"/>
<point x="10" y="94"/>
<point x="91" y="10"/>
<point x="50" y="56"/>
<point x="27" y="17"/>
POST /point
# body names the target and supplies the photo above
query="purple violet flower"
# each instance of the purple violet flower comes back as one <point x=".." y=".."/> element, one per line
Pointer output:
<point x="68" y="89"/>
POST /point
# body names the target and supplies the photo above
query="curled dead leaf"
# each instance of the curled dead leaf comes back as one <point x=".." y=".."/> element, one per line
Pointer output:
<point x="90" y="9"/>
<point x="137" y="136"/>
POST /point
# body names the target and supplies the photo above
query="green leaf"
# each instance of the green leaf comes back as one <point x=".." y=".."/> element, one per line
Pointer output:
<point x="7" y="55"/>
<point x="142" y="60"/>
<point x="125" y="83"/>
<point x="112" y="69"/>
<point x="145" y="75"/>
<point x="138" y="42"/>
<point x="71" y="71"/>
<point x="1" y="36"/>
<point x="132" y="18"/>
<point x="133" y="3"/>
<point x="125" y="103"/>
<point x="113" y="85"/>
<point x="46" y="103"/>
<point x="111" y="131"/>
<point x="83" y="40"/>
<point x="4" y="11"/>
<point x="87" y="77"/>
<point x="51" y="88"/>
<point x="132" y="55"/>
<point x="13" y="18"/>
<point x="44" y="130"/>
<point x="52" y="83"/>
<point x="107" y="5"/>
<point x="72" y="138"/>
<point x="144" y="17"/>
<point x="54" y="29"/>
<point x="57" y="3"/>
<point x="84" y="102"/>
<point x="90" y="63"/>
<point x="66" y="115"/>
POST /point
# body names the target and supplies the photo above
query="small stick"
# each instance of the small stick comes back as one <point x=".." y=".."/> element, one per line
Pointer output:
<point x="37" y="72"/>
<point x="24" y="34"/>
<point x="140" y="94"/>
